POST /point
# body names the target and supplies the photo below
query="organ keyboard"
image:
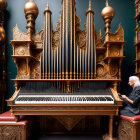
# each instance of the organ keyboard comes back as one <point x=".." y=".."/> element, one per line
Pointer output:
<point x="64" y="99"/>
<point x="45" y="98"/>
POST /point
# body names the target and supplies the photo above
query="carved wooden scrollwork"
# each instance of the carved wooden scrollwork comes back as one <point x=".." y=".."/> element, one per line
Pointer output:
<point x="114" y="51"/>
<point x="113" y="68"/>
<point x="10" y="132"/>
<point x="22" y="68"/>
<point x="35" y="70"/>
<point x="21" y="50"/>
<point x="99" y="41"/>
<point x="38" y="39"/>
<point x="100" y="57"/>
<point x="118" y="36"/>
<point x="19" y="35"/>
<point x="82" y="39"/>
<point x="69" y="121"/>
<point x="55" y="39"/>
<point x="101" y="69"/>
<point x="125" y="130"/>
<point x="77" y="23"/>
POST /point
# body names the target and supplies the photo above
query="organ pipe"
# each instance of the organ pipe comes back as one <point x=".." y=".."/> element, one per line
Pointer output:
<point x="45" y="59"/>
<point x="94" y="55"/>
<point x="67" y="60"/>
<point x="67" y="38"/>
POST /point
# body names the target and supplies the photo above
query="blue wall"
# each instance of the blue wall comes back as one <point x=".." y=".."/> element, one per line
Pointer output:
<point x="124" y="15"/>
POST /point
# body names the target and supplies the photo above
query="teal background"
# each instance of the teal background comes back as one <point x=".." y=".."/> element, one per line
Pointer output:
<point x="124" y="15"/>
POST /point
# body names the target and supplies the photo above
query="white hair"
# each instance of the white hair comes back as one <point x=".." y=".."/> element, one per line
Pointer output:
<point x="136" y="80"/>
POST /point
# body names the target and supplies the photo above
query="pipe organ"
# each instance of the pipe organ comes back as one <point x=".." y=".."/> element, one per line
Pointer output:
<point x="67" y="62"/>
<point x="68" y="52"/>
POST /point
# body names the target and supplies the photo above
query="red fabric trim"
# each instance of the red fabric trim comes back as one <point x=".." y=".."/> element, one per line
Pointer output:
<point x="135" y="118"/>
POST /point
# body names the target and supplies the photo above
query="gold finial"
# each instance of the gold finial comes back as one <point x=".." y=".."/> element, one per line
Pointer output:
<point x="106" y="2"/>
<point x="47" y="5"/>
<point x="90" y="5"/>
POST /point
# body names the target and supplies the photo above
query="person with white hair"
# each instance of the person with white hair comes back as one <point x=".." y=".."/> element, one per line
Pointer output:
<point x="132" y="102"/>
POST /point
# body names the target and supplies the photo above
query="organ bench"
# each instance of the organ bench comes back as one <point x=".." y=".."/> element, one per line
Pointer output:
<point x="129" y="128"/>
<point x="12" y="130"/>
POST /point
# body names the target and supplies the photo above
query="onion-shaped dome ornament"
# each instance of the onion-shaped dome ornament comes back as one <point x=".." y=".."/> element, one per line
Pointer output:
<point x="107" y="12"/>
<point x="31" y="8"/>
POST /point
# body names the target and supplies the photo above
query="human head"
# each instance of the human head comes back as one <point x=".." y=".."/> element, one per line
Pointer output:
<point x="134" y="81"/>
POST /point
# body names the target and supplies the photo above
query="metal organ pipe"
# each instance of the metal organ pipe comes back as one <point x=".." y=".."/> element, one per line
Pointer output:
<point x="63" y="42"/>
<point x="57" y="65"/>
<point x="94" y="54"/>
<point x="54" y="56"/>
<point x="74" y="59"/>
<point x="67" y="38"/>
<point x="80" y="63"/>
<point x="89" y="46"/>
<point x="83" y="63"/>
<point x="45" y="60"/>
<point x="90" y="43"/>
<point x="71" y="39"/>
<point x="46" y="45"/>
<point x="92" y="46"/>
<point x="60" y="50"/>
<point x="42" y="63"/>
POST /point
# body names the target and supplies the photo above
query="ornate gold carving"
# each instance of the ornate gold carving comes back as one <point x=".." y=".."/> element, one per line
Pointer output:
<point x="113" y="68"/>
<point x="77" y="24"/>
<point x="18" y="35"/>
<point x="100" y="57"/>
<point x="99" y="41"/>
<point x="21" y="50"/>
<point x="125" y="130"/>
<point x="69" y="121"/>
<point x="22" y="68"/>
<point x="81" y="41"/>
<point x="10" y="132"/>
<point x="118" y="36"/>
<point x="55" y="39"/>
<point x="38" y="36"/>
<point x="101" y="69"/>
<point x="114" y="51"/>
<point x="35" y="70"/>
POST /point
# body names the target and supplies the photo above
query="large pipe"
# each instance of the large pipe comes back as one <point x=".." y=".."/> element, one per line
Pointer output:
<point x="92" y="46"/>
<point x="83" y="63"/>
<point x="54" y="56"/>
<point x="52" y="62"/>
<point x="60" y="50"/>
<point x="94" y="55"/>
<point x="63" y="42"/>
<point x="42" y="63"/>
<point x="67" y="39"/>
<point x="71" y="40"/>
<point x="80" y="74"/>
<point x="77" y="62"/>
<point x="75" y="50"/>
<point x="89" y="47"/>
<point x="57" y="60"/>
<point x="46" y="44"/>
